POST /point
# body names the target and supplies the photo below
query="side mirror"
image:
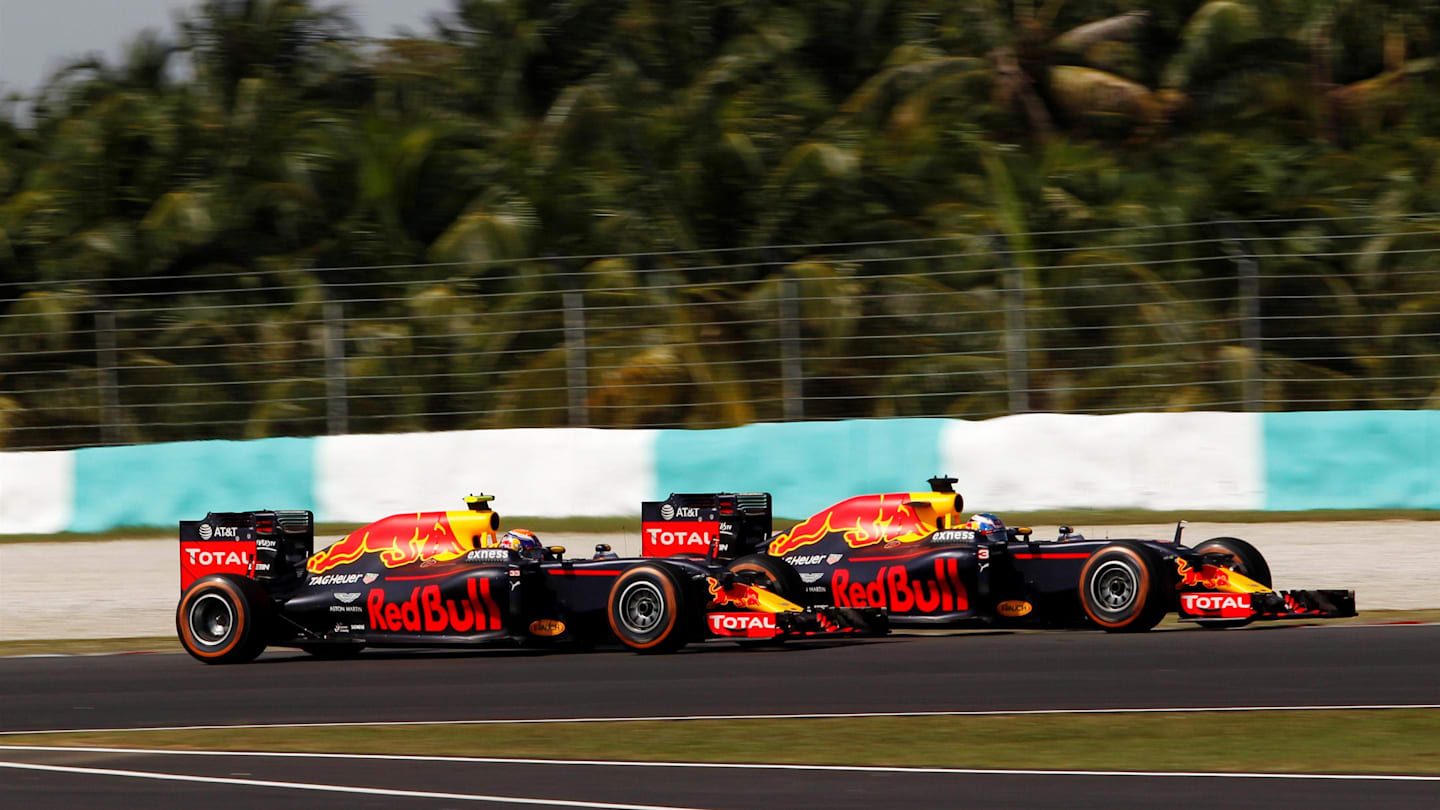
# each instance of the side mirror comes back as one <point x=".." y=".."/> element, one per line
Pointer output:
<point x="1024" y="531"/>
<point x="558" y="551"/>
<point x="600" y="548"/>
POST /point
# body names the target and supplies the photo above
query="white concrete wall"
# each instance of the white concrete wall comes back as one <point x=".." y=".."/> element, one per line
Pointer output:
<point x="37" y="492"/>
<point x="531" y="471"/>
<point x="1133" y="460"/>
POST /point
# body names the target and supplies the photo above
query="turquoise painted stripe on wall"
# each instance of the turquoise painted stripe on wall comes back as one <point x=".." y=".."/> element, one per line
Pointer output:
<point x="160" y="484"/>
<point x="806" y="466"/>
<point x="1352" y="460"/>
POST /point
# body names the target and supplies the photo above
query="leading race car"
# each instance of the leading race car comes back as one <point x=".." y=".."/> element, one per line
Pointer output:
<point x="913" y="554"/>
<point x="249" y="580"/>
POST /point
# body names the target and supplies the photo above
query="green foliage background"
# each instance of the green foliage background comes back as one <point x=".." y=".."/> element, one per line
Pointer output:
<point x="442" y="165"/>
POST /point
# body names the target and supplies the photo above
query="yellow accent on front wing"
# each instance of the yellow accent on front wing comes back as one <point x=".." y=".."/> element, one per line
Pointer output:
<point x="1239" y="583"/>
<point x="771" y="602"/>
<point x="1215" y="578"/>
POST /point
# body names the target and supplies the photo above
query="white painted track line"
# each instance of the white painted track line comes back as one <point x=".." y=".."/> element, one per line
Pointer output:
<point x="692" y="717"/>
<point x="264" y="783"/>
<point x="1351" y="777"/>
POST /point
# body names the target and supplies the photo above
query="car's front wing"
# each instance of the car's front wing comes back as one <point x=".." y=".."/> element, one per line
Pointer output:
<point x="809" y="623"/>
<point x="1322" y="604"/>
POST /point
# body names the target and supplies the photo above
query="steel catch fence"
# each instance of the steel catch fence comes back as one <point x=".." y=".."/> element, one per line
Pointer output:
<point x="1278" y="314"/>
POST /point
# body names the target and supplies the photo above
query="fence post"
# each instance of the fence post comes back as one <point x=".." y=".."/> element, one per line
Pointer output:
<point x="792" y="365"/>
<point x="1247" y="270"/>
<point x="106" y="360"/>
<point x="1017" y="365"/>
<point x="337" y="414"/>
<point x="575" y="366"/>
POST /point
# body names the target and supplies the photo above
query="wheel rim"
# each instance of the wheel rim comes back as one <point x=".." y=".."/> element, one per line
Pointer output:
<point x="1114" y="587"/>
<point x="212" y="620"/>
<point x="642" y="608"/>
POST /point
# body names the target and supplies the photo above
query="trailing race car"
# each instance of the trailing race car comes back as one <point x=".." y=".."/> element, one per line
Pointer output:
<point x="249" y="579"/>
<point x="912" y="554"/>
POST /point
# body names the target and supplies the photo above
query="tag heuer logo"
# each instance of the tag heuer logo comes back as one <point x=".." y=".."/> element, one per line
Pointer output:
<point x="667" y="511"/>
<point x="205" y="531"/>
<point x="369" y="578"/>
<point x="834" y="558"/>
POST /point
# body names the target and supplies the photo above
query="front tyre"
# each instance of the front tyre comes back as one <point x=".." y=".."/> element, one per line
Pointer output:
<point x="1123" y="589"/>
<point x="771" y="573"/>
<point x="1245" y="559"/>
<point x="649" y="611"/>
<point x="220" y="619"/>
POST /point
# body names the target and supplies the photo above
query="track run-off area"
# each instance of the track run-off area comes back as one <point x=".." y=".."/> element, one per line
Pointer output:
<point x="1039" y="677"/>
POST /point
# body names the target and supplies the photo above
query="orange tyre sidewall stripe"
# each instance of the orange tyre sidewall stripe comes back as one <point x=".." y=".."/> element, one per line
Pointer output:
<point x="186" y="634"/>
<point x="670" y="597"/>
<point x="1144" y="588"/>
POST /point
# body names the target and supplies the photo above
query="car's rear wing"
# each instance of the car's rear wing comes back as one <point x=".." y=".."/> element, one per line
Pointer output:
<point x="269" y="545"/>
<point x="725" y="525"/>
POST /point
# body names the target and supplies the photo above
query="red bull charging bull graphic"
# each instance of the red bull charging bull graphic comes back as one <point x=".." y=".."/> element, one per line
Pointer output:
<point x="400" y="540"/>
<point x="1209" y="576"/>
<point x="864" y="521"/>
<point x="738" y="595"/>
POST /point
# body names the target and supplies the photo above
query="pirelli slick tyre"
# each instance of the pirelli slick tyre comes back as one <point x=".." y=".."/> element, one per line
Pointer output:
<point x="771" y="573"/>
<point x="1247" y="560"/>
<point x="221" y="619"/>
<point x="1123" y="588"/>
<point x="649" y="610"/>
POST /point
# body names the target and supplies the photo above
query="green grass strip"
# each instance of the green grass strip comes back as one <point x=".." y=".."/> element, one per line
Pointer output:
<point x="1403" y="741"/>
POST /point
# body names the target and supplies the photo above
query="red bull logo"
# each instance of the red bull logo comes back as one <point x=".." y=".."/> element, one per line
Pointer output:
<point x="398" y="539"/>
<point x="892" y="588"/>
<point x="1209" y="576"/>
<point x="864" y="520"/>
<point x="739" y="594"/>
<point x="425" y="610"/>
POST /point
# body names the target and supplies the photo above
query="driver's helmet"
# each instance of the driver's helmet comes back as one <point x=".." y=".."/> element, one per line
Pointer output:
<point x="985" y="523"/>
<point x="520" y="540"/>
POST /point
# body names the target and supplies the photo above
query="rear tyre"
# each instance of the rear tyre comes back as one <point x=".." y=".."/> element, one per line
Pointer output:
<point x="771" y="573"/>
<point x="1123" y="589"/>
<point x="649" y="610"/>
<point x="221" y="619"/>
<point x="1247" y="560"/>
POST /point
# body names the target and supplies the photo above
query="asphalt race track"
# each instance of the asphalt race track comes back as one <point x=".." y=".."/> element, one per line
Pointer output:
<point x="1258" y="667"/>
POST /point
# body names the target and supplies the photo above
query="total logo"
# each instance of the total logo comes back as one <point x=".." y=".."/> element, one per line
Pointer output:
<point x="207" y="531"/>
<point x="208" y="558"/>
<point x="892" y="588"/>
<point x="749" y="625"/>
<point x="664" y="538"/>
<point x="1227" y="605"/>
<point x="337" y="579"/>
